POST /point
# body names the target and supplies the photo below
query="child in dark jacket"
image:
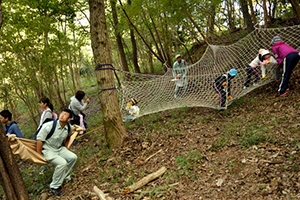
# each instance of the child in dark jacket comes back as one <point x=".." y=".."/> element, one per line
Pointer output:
<point x="220" y="82"/>
<point x="287" y="58"/>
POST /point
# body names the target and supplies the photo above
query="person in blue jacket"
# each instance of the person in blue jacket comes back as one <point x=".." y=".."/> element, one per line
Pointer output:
<point x="219" y="85"/>
<point x="10" y="127"/>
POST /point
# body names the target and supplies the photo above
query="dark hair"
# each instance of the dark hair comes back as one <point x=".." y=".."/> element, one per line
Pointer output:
<point x="47" y="102"/>
<point x="79" y="95"/>
<point x="68" y="111"/>
<point x="6" y="114"/>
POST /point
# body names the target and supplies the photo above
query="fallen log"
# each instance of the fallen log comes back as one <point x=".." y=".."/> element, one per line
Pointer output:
<point x="99" y="193"/>
<point x="145" y="180"/>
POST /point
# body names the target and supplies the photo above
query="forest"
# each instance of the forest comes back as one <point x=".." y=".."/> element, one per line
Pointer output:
<point x="50" y="48"/>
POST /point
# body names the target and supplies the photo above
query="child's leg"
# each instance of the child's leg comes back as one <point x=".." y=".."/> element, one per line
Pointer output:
<point x="291" y="61"/>
<point x="249" y="74"/>
<point x="255" y="72"/>
<point x="223" y="98"/>
<point x="217" y="89"/>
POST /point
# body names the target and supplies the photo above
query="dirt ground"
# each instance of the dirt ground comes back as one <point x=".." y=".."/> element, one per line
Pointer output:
<point x="249" y="151"/>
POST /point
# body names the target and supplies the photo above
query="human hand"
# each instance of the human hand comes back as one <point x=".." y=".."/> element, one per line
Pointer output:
<point x="87" y="101"/>
<point x="264" y="76"/>
<point x="178" y="76"/>
<point x="224" y="84"/>
<point x="230" y="97"/>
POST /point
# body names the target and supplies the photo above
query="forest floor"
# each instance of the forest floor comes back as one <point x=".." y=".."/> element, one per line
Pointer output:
<point x="249" y="151"/>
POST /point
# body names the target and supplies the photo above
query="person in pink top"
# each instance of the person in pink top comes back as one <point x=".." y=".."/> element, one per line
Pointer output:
<point x="287" y="58"/>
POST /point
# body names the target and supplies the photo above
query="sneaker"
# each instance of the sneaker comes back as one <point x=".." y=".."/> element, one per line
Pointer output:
<point x="287" y="89"/>
<point x="56" y="192"/>
<point x="245" y="87"/>
<point x="221" y="108"/>
<point x="255" y="84"/>
<point x="281" y="95"/>
<point x="71" y="181"/>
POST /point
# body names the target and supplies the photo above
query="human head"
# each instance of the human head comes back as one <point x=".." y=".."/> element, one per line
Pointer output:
<point x="232" y="72"/>
<point x="275" y="40"/>
<point x="5" y="116"/>
<point x="133" y="101"/>
<point x="265" y="54"/>
<point x="79" y="95"/>
<point x="45" y="102"/>
<point x="178" y="57"/>
<point x="66" y="115"/>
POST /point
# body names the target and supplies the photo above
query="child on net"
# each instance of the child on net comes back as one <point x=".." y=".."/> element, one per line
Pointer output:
<point x="219" y="85"/>
<point x="287" y="58"/>
<point x="132" y="109"/>
<point x="264" y="57"/>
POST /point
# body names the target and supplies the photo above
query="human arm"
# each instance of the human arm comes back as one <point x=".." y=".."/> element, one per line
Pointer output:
<point x="275" y="51"/>
<point x="78" y="106"/>
<point x="39" y="146"/>
<point x="263" y="71"/>
<point x="14" y="129"/>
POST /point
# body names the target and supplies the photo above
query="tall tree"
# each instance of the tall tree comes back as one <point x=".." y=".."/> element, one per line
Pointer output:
<point x="296" y="8"/>
<point x="115" y="132"/>
<point x="118" y="35"/>
<point x="134" y="47"/>
<point x="246" y="15"/>
<point x="252" y="12"/>
<point x="10" y="175"/>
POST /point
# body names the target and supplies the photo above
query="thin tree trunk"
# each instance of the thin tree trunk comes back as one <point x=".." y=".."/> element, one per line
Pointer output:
<point x="1" y="15"/>
<point x="11" y="176"/>
<point x="252" y="12"/>
<point x="265" y="14"/>
<point x="296" y="8"/>
<point x="134" y="47"/>
<point x="246" y="15"/>
<point x="143" y="39"/>
<point x="115" y="132"/>
<point x="195" y="24"/>
<point x="118" y="35"/>
<point x="211" y="21"/>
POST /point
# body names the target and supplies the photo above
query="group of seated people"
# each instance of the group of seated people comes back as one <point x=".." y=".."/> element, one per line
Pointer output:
<point x="77" y="106"/>
<point x="52" y="136"/>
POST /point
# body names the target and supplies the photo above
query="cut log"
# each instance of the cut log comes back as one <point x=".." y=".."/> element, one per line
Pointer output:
<point x="145" y="180"/>
<point x="99" y="193"/>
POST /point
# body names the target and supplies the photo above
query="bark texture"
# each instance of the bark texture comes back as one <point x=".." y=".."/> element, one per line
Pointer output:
<point x="115" y="132"/>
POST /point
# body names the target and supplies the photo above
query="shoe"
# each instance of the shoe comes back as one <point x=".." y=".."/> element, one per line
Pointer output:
<point x="281" y="95"/>
<point x="287" y="89"/>
<point x="245" y="87"/>
<point x="221" y="108"/>
<point x="56" y="192"/>
<point x="255" y="84"/>
<point x="71" y="181"/>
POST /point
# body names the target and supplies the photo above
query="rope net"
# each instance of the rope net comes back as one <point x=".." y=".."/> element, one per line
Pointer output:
<point x="156" y="93"/>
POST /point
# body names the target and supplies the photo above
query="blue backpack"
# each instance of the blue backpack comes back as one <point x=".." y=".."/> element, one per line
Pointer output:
<point x="52" y="129"/>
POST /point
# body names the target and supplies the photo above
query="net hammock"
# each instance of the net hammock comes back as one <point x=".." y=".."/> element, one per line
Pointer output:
<point x="156" y="92"/>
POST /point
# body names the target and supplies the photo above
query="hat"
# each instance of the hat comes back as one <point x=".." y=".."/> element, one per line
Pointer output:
<point x="177" y="56"/>
<point x="275" y="40"/>
<point x="133" y="101"/>
<point x="232" y="72"/>
<point x="261" y="50"/>
<point x="264" y="52"/>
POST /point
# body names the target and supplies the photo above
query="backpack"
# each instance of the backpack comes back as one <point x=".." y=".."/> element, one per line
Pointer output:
<point x="52" y="129"/>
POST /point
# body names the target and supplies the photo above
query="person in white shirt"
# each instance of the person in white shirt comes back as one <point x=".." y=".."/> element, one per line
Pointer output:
<point x="133" y="110"/>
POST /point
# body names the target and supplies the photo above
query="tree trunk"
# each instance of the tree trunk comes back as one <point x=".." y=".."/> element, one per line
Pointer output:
<point x="115" y="132"/>
<point x="211" y="21"/>
<point x="265" y="13"/>
<point x="246" y="15"/>
<point x="134" y="47"/>
<point x="252" y="12"/>
<point x="1" y="16"/>
<point x="296" y="8"/>
<point x="11" y="177"/>
<point x="118" y="35"/>
<point x="230" y="12"/>
<point x="197" y="27"/>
